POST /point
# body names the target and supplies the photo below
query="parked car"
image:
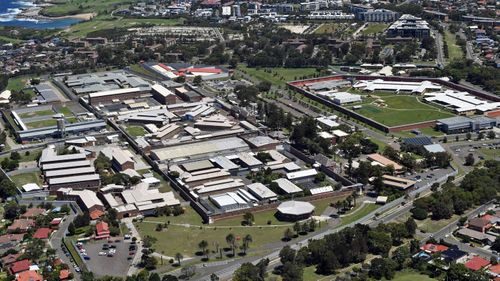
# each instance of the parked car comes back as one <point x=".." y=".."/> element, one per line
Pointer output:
<point x="102" y="253"/>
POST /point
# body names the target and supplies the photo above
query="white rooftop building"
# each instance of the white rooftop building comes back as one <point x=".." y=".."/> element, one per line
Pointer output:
<point x="287" y="186"/>
<point x="397" y="86"/>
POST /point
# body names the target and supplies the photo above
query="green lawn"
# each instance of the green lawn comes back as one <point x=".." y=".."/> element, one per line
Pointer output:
<point x="278" y="75"/>
<point x="10" y="40"/>
<point x="410" y="275"/>
<point x="37" y="113"/>
<point x="327" y="28"/>
<point x="401" y="110"/>
<point x="185" y="240"/>
<point x="65" y="110"/>
<point x="41" y="123"/>
<point x="100" y="23"/>
<point x="454" y="51"/>
<point x="311" y="275"/>
<point x="322" y="204"/>
<point x="136" y="131"/>
<point x="429" y="226"/>
<point x="358" y="213"/>
<point x="429" y="131"/>
<point x="17" y="83"/>
<point x="23" y="179"/>
<point x="490" y="153"/>
<point x="72" y="7"/>
<point x="381" y="145"/>
<point x="139" y="69"/>
<point x="374" y="28"/>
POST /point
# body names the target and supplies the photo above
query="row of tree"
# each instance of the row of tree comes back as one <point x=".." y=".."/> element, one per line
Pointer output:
<point x="478" y="187"/>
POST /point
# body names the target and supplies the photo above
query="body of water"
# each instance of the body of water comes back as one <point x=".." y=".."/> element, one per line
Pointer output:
<point x="10" y="8"/>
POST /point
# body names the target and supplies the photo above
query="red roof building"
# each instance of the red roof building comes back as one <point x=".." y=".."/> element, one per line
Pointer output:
<point x="95" y="214"/>
<point x="64" y="274"/>
<point x="476" y="263"/>
<point x="433" y="248"/>
<point x="42" y="233"/>
<point x="10" y="258"/>
<point x="20" y="266"/>
<point x="29" y="275"/>
<point x="11" y="238"/>
<point x="102" y="230"/>
<point x="33" y="213"/>
<point x="495" y="269"/>
<point x="21" y="225"/>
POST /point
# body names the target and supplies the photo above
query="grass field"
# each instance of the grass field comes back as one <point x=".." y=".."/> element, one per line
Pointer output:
<point x="17" y="83"/>
<point x="73" y="7"/>
<point x="410" y="275"/>
<point x="328" y="28"/>
<point x="187" y="238"/>
<point x="41" y="123"/>
<point x="402" y="110"/>
<point x="100" y="23"/>
<point x="65" y="110"/>
<point x="278" y="75"/>
<point x="22" y="179"/>
<point x="358" y="213"/>
<point x="136" y="131"/>
<point x="454" y="51"/>
<point x="37" y="113"/>
<point x="490" y="154"/>
<point x="374" y="28"/>
<point x="10" y="40"/>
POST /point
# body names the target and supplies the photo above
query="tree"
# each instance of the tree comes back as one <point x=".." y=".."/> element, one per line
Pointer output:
<point x="468" y="136"/>
<point x="401" y="256"/>
<point x="154" y="277"/>
<point x="469" y="160"/>
<point x="296" y="228"/>
<point x="203" y="246"/>
<point x="71" y="229"/>
<point x="288" y="235"/>
<point x="287" y="254"/>
<point x="491" y="135"/>
<point x="179" y="257"/>
<point x="231" y="241"/>
<point x="15" y="155"/>
<point x="197" y="80"/>
<point x="247" y="272"/>
<point x="292" y="272"/>
<point x="419" y="213"/>
<point x="411" y="226"/>
<point x="246" y="243"/>
<point x="264" y="86"/>
<point x="382" y="267"/>
<point x="169" y="277"/>
<point x="248" y="218"/>
<point x="214" y="277"/>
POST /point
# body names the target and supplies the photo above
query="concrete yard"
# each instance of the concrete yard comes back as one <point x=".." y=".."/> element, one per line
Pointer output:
<point x="103" y="265"/>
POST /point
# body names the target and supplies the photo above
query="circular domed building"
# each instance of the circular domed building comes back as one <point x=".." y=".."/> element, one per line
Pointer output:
<point x="295" y="210"/>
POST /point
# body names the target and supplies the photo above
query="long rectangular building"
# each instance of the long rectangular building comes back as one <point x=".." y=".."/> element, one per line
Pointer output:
<point x="75" y="182"/>
<point x="107" y="96"/>
<point x="67" y="165"/>
<point x="69" y="172"/>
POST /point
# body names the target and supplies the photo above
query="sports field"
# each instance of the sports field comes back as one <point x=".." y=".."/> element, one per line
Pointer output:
<point x="395" y="110"/>
<point x="374" y="28"/>
<point x="277" y="75"/>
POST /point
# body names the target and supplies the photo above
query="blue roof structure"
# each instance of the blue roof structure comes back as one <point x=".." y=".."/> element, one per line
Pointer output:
<point x="418" y="141"/>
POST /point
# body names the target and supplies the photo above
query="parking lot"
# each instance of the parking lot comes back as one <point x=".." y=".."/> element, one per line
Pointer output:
<point x="101" y="262"/>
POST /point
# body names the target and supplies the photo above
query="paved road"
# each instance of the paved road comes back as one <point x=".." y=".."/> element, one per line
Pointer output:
<point x="56" y="241"/>
<point x="440" y="60"/>
<point x="137" y="258"/>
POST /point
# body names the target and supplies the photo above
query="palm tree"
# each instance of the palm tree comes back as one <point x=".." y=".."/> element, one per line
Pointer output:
<point x="248" y="218"/>
<point x="231" y="241"/>
<point x="203" y="246"/>
<point x="296" y="228"/>
<point x="288" y="234"/>
<point x="246" y="243"/>
<point x="178" y="257"/>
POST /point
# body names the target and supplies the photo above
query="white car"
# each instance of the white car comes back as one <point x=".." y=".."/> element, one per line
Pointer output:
<point x="102" y="253"/>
